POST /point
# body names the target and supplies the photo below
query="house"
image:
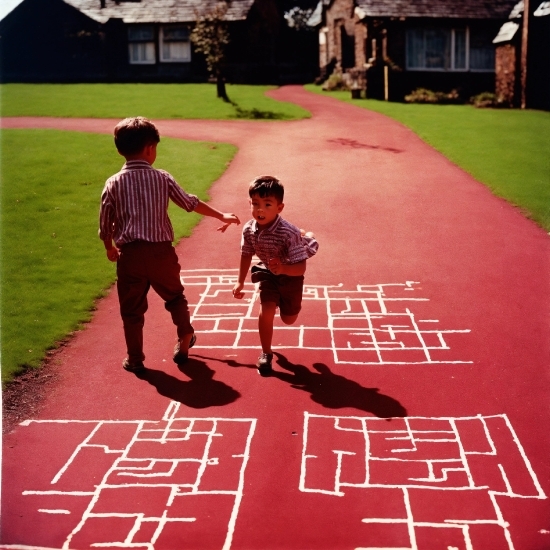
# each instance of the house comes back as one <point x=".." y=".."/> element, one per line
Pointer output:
<point x="144" y="41"/>
<point x="442" y="45"/>
<point x="534" y="91"/>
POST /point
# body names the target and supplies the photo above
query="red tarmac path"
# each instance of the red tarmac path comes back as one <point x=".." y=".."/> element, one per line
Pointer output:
<point x="411" y="409"/>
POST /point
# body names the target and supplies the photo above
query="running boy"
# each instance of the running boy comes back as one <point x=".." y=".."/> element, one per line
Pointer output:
<point x="283" y="250"/>
<point x="134" y="214"/>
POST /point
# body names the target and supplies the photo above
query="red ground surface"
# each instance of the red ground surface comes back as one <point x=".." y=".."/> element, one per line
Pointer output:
<point x="409" y="410"/>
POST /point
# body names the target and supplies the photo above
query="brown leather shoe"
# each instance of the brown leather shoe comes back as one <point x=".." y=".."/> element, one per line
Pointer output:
<point x="180" y="357"/>
<point x="133" y="367"/>
<point x="264" y="364"/>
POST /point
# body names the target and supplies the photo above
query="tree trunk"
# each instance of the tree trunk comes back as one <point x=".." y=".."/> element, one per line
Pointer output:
<point x="220" y="86"/>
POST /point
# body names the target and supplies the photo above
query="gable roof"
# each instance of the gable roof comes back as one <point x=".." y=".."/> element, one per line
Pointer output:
<point x="157" y="11"/>
<point x="463" y="9"/>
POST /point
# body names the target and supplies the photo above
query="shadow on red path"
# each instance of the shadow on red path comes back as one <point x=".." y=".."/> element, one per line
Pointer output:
<point x="200" y="392"/>
<point x="330" y="390"/>
<point x="334" y="391"/>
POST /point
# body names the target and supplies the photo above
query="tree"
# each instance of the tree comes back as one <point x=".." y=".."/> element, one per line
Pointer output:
<point x="297" y="18"/>
<point x="210" y="37"/>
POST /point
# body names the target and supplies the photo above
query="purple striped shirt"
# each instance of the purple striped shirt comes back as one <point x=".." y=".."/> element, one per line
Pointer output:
<point x="134" y="204"/>
<point x="280" y="240"/>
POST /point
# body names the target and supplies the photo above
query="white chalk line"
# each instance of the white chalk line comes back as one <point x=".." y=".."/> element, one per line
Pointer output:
<point x="370" y="426"/>
<point x="342" y="307"/>
<point x="143" y="471"/>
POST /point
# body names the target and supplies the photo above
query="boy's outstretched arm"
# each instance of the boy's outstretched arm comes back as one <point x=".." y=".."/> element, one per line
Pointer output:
<point x="243" y="272"/>
<point x="226" y="218"/>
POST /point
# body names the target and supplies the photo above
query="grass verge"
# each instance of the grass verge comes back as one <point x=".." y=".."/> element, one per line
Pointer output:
<point x="53" y="266"/>
<point x="506" y="149"/>
<point x="154" y="101"/>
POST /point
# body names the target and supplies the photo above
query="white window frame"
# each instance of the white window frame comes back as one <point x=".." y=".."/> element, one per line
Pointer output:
<point x="164" y="59"/>
<point x="466" y="53"/>
<point x="144" y="46"/>
<point x="452" y="67"/>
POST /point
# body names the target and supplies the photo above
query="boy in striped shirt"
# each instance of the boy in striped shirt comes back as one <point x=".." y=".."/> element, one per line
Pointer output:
<point x="283" y="250"/>
<point x="134" y="214"/>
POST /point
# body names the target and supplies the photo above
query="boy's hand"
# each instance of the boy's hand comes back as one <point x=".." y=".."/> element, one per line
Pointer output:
<point x="113" y="254"/>
<point x="228" y="219"/>
<point x="237" y="291"/>
<point x="275" y="266"/>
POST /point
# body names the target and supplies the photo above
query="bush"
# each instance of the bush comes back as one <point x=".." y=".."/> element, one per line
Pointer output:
<point x="423" y="95"/>
<point x="486" y="100"/>
<point x="334" y="82"/>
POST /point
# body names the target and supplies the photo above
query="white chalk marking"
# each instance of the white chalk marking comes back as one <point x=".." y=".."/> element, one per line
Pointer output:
<point x="433" y="481"/>
<point x="174" y="428"/>
<point x="343" y="307"/>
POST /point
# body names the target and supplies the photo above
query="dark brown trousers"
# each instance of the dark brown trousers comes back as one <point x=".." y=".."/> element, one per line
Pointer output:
<point x="143" y="265"/>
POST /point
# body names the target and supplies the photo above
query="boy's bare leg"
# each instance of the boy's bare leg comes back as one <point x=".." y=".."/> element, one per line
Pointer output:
<point x="265" y="325"/>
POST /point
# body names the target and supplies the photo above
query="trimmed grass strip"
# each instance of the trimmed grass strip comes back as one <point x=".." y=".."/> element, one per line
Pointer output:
<point x="154" y="101"/>
<point x="53" y="264"/>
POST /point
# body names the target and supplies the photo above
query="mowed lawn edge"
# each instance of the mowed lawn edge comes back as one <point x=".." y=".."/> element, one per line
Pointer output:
<point x="153" y="101"/>
<point x="53" y="265"/>
<point x="505" y="149"/>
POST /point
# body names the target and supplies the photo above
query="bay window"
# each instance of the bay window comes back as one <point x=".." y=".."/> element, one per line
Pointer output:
<point x="460" y="49"/>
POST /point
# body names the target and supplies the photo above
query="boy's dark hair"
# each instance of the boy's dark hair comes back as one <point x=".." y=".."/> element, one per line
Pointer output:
<point x="267" y="186"/>
<point x="132" y="135"/>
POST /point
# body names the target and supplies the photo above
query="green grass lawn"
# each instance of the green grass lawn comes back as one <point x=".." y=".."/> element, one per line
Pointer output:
<point x="506" y="149"/>
<point x="154" y="101"/>
<point x="53" y="265"/>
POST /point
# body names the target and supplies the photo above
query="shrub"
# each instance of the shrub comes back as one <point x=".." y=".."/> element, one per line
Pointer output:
<point x="486" y="99"/>
<point x="423" y="95"/>
<point x="336" y="81"/>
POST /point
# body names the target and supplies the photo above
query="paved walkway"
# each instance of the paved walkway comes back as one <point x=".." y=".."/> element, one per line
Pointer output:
<point x="408" y="410"/>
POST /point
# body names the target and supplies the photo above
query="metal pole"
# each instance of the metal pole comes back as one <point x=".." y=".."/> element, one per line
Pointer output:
<point x="524" y="41"/>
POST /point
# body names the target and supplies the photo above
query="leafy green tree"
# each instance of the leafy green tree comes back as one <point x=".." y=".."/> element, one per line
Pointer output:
<point x="210" y="37"/>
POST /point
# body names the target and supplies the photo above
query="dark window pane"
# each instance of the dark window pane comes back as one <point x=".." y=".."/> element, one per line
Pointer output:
<point x="175" y="34"/>
<point x="141" y="33"/>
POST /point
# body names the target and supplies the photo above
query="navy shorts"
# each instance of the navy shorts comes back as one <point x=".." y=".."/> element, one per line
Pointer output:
<point x="284" y="290"/>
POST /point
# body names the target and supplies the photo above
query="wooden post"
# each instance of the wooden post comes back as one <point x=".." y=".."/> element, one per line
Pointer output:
<point x="384" y="59"/>
<point x="524" y="41"/>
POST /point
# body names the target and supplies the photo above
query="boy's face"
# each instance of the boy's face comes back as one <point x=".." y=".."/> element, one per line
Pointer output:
<point x="265" y="209"/>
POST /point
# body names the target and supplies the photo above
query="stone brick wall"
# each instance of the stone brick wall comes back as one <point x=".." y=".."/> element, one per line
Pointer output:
<point x="506" y="75"/>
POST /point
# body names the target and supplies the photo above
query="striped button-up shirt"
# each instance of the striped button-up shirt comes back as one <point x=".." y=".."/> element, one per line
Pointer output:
<point x="134" y="204"/>
<point x="280" y="240"/>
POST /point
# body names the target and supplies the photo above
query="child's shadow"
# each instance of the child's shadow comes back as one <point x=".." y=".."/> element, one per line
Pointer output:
<point x="336" y="392"/>
<point x="200" y="392"/>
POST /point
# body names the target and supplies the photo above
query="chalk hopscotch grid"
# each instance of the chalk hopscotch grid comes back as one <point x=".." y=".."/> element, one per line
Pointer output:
<point x="412" y="438"/>
<point x="144" y="477"/>
<point x="382" y="334"/>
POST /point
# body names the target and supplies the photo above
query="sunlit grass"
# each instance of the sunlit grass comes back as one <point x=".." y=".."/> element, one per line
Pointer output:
<point x="154" y="101"/>
<point x="53" y="265"/>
